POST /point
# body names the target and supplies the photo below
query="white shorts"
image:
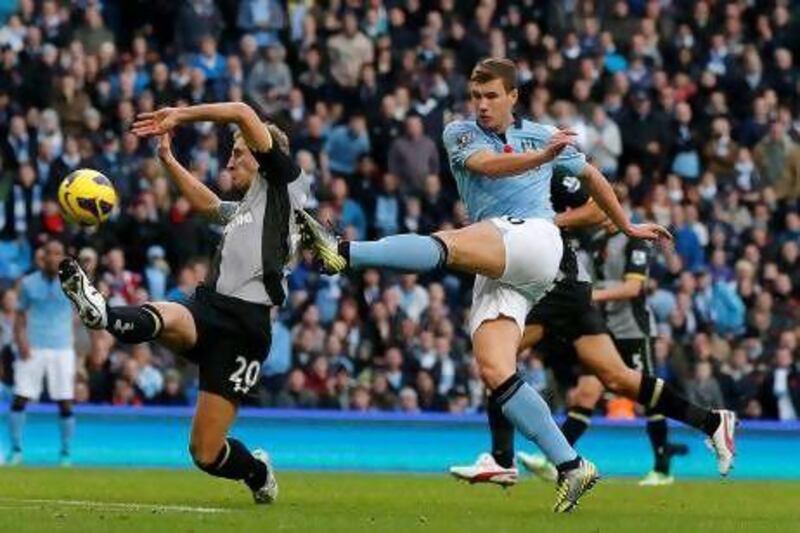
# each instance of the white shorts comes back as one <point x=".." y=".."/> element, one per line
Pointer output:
<point x="57" y="365"/>
<point x="533" y="256"/>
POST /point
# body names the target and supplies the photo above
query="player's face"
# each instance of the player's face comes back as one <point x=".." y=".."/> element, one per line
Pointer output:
<point x="493" y="104"/>
<point x="242" y="165"/>
<point x="53" y="255"/>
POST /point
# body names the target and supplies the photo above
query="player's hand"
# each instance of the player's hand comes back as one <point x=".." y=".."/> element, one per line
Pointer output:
<point x="560" y="140"/>
<point x="165" y="146"/>
<point x="24" y="352"/>
<point x="649" y="232"/>
<point x="156" y="122"/>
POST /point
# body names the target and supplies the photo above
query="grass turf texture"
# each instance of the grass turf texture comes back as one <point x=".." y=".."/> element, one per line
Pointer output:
<point x="159" y="500"/>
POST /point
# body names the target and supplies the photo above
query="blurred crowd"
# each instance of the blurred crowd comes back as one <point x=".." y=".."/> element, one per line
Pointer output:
<point x="693" y="105"/>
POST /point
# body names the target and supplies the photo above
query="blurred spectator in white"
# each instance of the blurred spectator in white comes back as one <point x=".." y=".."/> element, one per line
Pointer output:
<point x="348" y="51"/>
<point x="603" y="142"/>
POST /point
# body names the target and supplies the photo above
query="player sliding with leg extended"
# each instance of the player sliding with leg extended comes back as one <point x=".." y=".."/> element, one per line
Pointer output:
<point x="225" y="327"/>
<point x="568" y="312"/>
<point x="503" y="168"/>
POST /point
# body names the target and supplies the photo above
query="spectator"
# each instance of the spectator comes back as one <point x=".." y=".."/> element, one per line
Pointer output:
<point x="270" y="80"/>
<point x="413" y="156"/>
<point x="603" y="142"/>
<point x="721" y="151"/>
<point x="348" y="51"/>
<point x="780" y="394"/>
<point x="704" y="389"/>
<point x="196" y="19"/>
<point x="772" y="153"/>
<point x="263" y="19"/>
<point x="93" y="33"/>
<point x="295" y="394"/>
<point x="345" y="144"/>
<point x="173" y="393"/>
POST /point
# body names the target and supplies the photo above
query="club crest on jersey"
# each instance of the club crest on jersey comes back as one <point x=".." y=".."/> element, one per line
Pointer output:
<point x="571" y="183"/>
<point x="639" y="257"/>
<point x="527" y="145"/>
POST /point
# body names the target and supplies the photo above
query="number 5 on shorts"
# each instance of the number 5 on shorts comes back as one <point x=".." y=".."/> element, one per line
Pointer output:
<point x="246" y="375"/>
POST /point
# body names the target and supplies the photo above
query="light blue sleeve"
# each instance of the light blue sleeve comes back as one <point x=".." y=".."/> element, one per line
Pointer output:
<point x="570" y="162"/>
<point x="23" y="302"/>
<point x="462" y="139"/>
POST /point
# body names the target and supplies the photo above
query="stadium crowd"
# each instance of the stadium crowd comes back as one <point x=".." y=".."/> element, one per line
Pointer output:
<point x="693" y="105"/>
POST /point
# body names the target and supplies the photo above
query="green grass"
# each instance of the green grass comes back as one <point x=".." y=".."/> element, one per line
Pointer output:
<point x="324" y="502"/>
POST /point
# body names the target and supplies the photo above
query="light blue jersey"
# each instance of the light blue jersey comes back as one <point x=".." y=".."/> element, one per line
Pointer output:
<point x="49" y="312"/>
<point x="525" y="195"/>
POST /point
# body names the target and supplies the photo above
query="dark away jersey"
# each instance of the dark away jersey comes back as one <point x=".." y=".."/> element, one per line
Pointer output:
<point x="624" y="258"/>
<point x="257" y="238"/>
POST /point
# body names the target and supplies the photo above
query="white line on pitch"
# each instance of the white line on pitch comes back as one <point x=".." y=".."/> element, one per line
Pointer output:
<point x="116" y="506"/>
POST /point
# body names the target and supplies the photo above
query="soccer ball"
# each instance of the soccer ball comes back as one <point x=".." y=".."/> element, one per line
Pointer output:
<point x="87" y="197"/>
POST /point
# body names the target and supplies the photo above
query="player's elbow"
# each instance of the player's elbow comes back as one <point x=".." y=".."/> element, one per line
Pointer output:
<point x="242" y="112"/>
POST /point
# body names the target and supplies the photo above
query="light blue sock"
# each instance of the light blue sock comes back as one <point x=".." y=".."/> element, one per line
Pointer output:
<point x="409" y="253"/>
<point x="531" y="416"/>
<point x="67" y="427"/>
<point x="16" y="421"/>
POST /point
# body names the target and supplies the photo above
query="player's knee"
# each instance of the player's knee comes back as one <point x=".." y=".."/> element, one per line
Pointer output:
<point x="493" y="376"/>
<point x="620" y="382"/>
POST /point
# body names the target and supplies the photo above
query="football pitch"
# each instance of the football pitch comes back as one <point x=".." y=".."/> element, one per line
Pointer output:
<point x="178" y="500"/>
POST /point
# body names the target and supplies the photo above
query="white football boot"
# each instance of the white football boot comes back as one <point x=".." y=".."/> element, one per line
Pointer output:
<point x="486" y="470"/>
<point x="269" y="492"/>
<point x="88" y="301"/>
<point x="573" y="484"/>
<point x="722" y="441"/>
<point x="539" y="466"/>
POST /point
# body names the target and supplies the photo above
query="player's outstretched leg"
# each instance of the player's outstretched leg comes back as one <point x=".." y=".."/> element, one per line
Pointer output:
<point x="221" y="456"/>
<point x="597" y="352"/>
<point x="409" y="252"/>
<point x="129" y="324"/>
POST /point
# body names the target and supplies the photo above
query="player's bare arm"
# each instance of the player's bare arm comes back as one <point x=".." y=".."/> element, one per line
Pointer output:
<point x="602" y="193"/>
<point x="627" y="290"/>
<point x="589" y="214"/>
<point x="494" y="165"/>
<point x="164" y="120"/>
<point x="200" y="197"/>
<point x="21" y="335"/>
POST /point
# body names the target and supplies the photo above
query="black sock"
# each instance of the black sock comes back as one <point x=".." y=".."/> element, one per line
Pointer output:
<point x="657" y="431"/>
<point x="344" y="250"/>
<point x="236" y="462"/>
<point x="569" y="465"/>
<point x="134" y="324"/>
<point x="577" y="422"/>
<point x="659" y="397"/>
<point x="502" y="434"/>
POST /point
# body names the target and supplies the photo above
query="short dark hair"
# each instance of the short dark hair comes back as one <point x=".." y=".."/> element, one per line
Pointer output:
<point x="494" y="68"/>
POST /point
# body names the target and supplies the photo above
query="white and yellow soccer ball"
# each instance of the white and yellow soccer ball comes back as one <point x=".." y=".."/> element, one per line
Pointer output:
<point x="87" y="197"/>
